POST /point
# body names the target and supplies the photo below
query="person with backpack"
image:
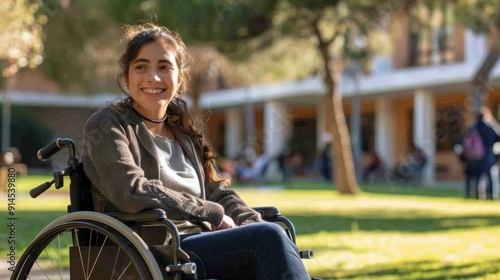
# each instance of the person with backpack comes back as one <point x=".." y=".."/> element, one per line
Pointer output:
<point x="471" y="153"/>
<point x="479" y="156"/>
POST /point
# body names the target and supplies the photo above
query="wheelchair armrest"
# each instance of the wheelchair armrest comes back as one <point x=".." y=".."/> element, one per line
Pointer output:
<point x="144" y="216"/>
<point x="267" y="212"/>
<point x="272" y="214"/>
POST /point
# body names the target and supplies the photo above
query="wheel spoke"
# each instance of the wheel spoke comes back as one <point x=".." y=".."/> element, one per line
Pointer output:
<point x="116" y="261"/>
<point x="123" y="272"/>
<point x="52" y="263"/>
<point x="98" y="255"/>
<point x="59" y="250"/>
<point x="88" y="254"/>
<point x="75" y="232"/>
<point x="41" y="269"/>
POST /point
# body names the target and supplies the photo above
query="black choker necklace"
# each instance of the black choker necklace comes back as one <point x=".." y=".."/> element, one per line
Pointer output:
<point x="148" y="119"/>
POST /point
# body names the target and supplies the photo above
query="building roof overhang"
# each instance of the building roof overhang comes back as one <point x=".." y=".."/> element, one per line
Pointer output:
<point x="453" y="78"/>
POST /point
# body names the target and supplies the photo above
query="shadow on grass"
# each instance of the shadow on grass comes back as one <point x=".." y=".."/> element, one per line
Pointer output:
<point x="310" y="224"/>
<point x="414" y="190"/>
<point x="422" y="270"/>
<point x="394" y="189"/>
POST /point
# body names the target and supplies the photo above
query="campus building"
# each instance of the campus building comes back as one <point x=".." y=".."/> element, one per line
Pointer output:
<point x="419" y="95"/>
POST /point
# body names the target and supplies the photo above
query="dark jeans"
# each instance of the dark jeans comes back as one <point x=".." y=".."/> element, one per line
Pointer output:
<point x="471" y="186"/>
<point x="255" y="251"/>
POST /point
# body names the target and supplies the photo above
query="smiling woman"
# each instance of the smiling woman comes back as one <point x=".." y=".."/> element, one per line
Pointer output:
<point x="144" y="152"/>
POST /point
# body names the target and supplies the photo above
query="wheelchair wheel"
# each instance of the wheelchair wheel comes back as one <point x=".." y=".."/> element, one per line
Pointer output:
<point x="87" y="245"/>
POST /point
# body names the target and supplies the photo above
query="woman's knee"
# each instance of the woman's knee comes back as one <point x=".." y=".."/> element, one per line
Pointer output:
<point x="270" y="233"/>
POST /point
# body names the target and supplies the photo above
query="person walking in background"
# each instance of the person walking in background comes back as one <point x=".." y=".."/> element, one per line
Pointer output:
<point x="479" y="155"/>
<point x="489" y="130"/>
<point x="471" y="160"/>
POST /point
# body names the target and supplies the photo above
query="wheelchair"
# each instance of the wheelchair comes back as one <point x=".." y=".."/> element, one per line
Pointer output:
<point x="85" y="244"/>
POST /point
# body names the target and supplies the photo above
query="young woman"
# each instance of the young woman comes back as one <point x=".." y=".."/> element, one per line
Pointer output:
<point x="144" y="153"/>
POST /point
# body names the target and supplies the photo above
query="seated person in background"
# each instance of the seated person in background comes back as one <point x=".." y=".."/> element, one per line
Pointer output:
<point x="227" y="169"/>
<point x="412" y="169"/>
<point x="7" y="159"/>
<point x="144" y="153"/>
<point x="12" y="158"/>
<point x="252" y="171"/>
<point x="374" y="165"/>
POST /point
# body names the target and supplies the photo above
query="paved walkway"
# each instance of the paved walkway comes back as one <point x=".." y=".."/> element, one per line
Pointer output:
<point x="4" y="269"/>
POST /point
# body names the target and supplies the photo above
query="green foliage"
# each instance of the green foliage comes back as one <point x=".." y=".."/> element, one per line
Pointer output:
<point x="82" y="39"/>
<point x="21" y="44"/>
<point x="479" y="15"/>
<point x="199" y="20"/>
<point x="81" y="46"/>
<point x="218" y="20"/>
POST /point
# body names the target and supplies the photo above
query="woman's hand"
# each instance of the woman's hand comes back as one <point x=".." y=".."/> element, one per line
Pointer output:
<point x="227" y="222"/>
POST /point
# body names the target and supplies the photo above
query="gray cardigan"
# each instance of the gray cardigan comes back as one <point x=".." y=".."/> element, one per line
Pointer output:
<point x="120" y="159"/>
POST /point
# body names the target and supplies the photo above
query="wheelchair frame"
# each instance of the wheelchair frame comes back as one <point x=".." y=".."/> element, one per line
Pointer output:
<point x="96" y="236"/>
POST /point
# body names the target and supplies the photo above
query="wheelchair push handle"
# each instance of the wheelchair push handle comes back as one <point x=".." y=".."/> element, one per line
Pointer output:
<point x="60" y="143"/>
<point x="45" y="153"/>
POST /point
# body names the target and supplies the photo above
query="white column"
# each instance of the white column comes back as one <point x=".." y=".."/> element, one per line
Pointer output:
<point x="276" y="127"/>
<point x="476" y="46"/>
<point x="384" y="130"/>
<point x="232" y="133"/>
<point x="424" y="128"/>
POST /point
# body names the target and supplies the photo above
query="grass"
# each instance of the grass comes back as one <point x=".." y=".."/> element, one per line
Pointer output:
<point x="385" y="232"/>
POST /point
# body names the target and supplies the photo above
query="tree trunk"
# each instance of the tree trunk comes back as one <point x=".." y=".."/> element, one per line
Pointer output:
<point x="343" y="165"/>
<point x="481" y="79"/>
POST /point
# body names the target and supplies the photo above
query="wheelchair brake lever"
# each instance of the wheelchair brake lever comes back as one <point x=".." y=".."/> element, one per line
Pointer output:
<point x="59" y="180"/>
<point x="35" y="192"/>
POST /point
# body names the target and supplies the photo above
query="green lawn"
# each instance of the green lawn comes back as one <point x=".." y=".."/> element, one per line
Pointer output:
<point x="385" y="232"/>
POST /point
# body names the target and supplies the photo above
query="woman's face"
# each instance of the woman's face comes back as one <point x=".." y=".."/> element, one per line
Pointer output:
<point x="153" y="79"/>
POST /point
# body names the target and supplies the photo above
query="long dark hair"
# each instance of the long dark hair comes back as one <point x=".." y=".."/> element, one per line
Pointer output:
<point x="178" y="115"/>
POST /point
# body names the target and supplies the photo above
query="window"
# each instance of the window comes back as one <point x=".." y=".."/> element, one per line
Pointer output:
<point x="431" y="33"/>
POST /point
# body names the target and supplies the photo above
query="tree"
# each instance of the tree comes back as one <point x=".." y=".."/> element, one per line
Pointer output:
<point x="482" y="17"/>
<point x="81" y="51"/>
<point x="21" y="46"/>
<point x="343" y="30"/>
